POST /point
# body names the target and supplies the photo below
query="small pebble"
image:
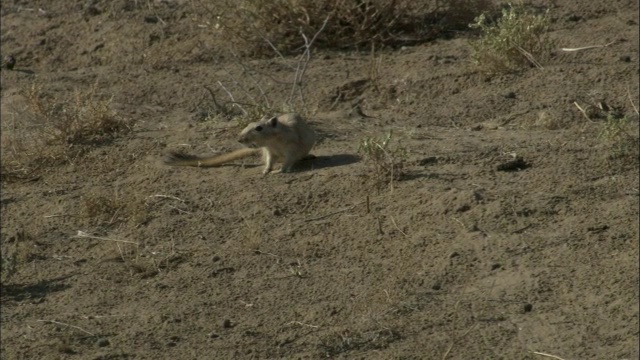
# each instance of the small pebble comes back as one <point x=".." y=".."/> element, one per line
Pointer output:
<point x="102" y="342"/>
<point x="527" y="307"/>
<point x="574" y="17"/>
<point x="151" y="19"/>
<point x="9" y="62"/>
<point x="227" y="324"/>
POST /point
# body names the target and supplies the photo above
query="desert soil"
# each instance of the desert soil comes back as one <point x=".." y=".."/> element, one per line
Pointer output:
<point x="457" y="259"/>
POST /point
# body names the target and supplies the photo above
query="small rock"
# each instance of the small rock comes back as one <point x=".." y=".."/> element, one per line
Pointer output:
<point x="473" y="228"/>
<point x="92" y="10"/>
<point x="151" y="19"/>
<point x="213" y="335"/>
<point x="527" y="307"/>
<point x="102" y="342"/>
<point x="428" y="161"/>
<point x="496" y="266"/>
<point x="513" y="165"/>
<point x="453" y="255"/>
<point x="574" y="17"/>
<point x="436" y="287"/>
<point x="9" y="62"/>
<point x="227" y="324"/>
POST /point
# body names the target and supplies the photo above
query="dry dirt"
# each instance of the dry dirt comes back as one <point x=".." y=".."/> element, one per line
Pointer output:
<point x="455" y="260"/>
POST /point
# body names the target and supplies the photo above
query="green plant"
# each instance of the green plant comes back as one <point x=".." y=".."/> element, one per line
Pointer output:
<point x="517" y="39"/>
<point x="386" y="160"/>
<point x="615" y="131"/>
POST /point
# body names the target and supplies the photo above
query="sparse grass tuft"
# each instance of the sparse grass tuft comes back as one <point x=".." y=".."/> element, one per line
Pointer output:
<point x="52" y="130"/>
<point x="81" y="119"/>
<point x="106" y="210"/>
<point x="386" y="160"/>
<point x="17" y="250"/>
<point x="516" y="40"/>
<point x="615" y="131"/>
<point x="346" y="341"/>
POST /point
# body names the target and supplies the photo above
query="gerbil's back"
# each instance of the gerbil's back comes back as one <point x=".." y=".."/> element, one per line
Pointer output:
<point x="306" y="135"/>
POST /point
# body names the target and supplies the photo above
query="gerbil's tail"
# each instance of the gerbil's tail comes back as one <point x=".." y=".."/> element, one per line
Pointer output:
<point x="179" y="159"/>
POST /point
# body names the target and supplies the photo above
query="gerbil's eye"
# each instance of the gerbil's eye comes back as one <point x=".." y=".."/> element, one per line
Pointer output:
<point x="258" y="128"/>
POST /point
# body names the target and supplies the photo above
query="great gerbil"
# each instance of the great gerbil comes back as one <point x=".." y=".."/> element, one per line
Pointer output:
<point x="286" y="138"/>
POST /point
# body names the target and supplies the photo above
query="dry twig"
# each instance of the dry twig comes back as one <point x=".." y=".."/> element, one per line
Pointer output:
<point x="529" y="57"/>
<point x="167" y="197"/>
<point x="303" y="62"/>
<point x="67" y="325"/>
<point x="588" y="47"/>
<point x="547" y="355"/>
<point x="334" y="213"/>
<point x="582" y="111"/>
<point x="302" y="324"/>
<point x="631" y="100"/>
<point x="82" y="234"/>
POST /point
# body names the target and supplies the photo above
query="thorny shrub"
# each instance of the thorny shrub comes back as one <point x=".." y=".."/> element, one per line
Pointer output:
<point x="517" y="39"/>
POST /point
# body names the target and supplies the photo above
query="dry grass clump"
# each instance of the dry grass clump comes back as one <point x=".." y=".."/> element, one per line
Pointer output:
<point x="617" y="133"/>
<point x="386" y="160"/>
<point x="515" y="40"/>
<point x="16" y="251"/>
<point x="259" y="27"/>
<point x="109" y="209"/>
<point x="50" y="130"/>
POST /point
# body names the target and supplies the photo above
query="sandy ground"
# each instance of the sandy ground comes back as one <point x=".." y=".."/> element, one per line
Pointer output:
<point x="456" y="259"/>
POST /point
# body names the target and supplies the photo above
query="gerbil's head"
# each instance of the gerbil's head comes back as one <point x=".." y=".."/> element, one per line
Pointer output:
<point x="255" y="134"/>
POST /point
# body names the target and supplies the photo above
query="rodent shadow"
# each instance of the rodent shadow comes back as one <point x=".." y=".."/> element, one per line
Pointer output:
<point x="320" y="162"/>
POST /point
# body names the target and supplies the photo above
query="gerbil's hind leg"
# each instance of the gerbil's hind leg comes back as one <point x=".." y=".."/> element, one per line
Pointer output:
<point x="288" y="164"/>
<point x="268" y="161"/>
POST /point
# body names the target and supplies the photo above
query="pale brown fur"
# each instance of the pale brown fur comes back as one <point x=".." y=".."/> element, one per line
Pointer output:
<point x="286" y="138"/>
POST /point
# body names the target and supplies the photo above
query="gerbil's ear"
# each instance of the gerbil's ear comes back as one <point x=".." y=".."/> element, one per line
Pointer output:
<point x="273" y="121"/>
